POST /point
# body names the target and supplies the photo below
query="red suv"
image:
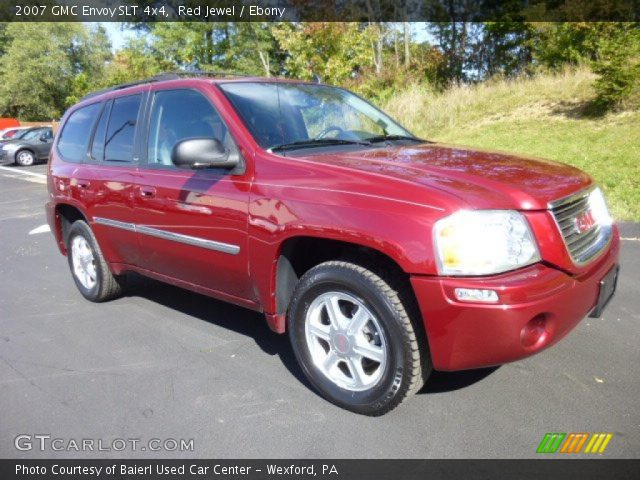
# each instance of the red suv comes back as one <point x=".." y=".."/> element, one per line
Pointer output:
<point x="384" y="256"/>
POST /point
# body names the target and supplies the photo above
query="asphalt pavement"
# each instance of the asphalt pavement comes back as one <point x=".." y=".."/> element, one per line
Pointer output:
<point x="165" y="363"/>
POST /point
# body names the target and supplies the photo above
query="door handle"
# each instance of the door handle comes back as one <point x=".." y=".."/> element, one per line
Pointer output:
<point x="147" y="192"/>
<point x="83" y="183"/>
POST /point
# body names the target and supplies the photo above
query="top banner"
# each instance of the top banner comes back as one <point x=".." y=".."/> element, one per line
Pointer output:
<point x="320" y="10"/>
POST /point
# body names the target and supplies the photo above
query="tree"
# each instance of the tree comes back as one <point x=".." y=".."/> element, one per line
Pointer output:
<point x="503" y="48"/>
<point x="240" y="47"/>
<point x="90" y="53"/>
<point x="334" y="51"/>
<point x="254" y="50"/>
<point x="198" y="45"/>
<point x="618" y="67"/>
<point x="135" y="61"/>
<point x="555" y="45"/>
<point x="39" y="68"/>
<point x="4" y="40"/>
<point x="454" y="39"/>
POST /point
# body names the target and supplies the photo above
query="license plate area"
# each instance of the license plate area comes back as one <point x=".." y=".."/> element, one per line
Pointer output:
<point x="607" y="289"/>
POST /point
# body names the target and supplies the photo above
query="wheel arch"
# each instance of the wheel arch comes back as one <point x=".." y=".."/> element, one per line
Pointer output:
<point x="298" y="254"/>
<point x="65" y="214"/>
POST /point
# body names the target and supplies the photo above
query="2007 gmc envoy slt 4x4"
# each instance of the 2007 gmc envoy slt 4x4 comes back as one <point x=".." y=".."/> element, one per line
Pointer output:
<point x="382" y="255"/>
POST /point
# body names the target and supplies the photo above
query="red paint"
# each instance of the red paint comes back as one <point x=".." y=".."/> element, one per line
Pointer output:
<point x="386" y="198"/>
<point x="462" y="337"/>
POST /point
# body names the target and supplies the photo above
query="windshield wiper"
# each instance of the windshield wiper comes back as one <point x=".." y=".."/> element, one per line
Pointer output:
<point x="383" y="138"/>
<point x="316" y="142"/>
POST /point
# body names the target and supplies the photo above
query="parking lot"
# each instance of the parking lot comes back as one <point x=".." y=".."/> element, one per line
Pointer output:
<point x="166" y="363"/>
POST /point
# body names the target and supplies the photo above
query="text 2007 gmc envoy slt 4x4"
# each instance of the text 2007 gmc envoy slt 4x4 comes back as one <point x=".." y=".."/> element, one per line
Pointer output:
<point x="384" y="256"/>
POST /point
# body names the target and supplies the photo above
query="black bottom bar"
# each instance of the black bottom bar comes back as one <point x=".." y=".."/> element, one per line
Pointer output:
<point x="547" y="469"/>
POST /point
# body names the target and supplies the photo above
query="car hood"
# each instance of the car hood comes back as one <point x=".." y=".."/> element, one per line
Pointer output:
<point x="480" y="178"/>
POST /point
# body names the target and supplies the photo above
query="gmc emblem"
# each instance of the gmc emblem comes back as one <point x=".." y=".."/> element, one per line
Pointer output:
<point x="584" y="222"/>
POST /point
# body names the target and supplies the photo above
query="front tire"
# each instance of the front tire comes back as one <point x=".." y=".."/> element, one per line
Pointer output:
<point x="355" y="339"/>
<point x="89" y="269"/>
<point x="25" y="158"/>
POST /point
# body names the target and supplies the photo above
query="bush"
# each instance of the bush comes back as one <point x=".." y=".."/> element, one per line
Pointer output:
<point x="618" y="69"/>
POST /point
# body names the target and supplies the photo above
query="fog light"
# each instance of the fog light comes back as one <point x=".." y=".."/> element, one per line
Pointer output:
<point x="534" y="333"/>
<point x="476" y="295"/>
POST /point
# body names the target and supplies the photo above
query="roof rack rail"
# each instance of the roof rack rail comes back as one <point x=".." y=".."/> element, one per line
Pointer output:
<point x="121" y="86"/>
<point x="164" y="76"/>
<point x="203" y="73"/>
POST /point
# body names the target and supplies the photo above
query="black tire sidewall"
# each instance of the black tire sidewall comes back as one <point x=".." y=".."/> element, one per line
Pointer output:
<point x="80" y="228"/>
<point x="335" y="278"/>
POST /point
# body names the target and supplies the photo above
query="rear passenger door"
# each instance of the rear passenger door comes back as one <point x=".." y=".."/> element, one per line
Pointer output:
<point x="110" y="176"/>
<point x="192" y="224"/>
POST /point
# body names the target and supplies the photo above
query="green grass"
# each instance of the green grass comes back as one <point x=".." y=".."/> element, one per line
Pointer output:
<point x="542" y="116"/>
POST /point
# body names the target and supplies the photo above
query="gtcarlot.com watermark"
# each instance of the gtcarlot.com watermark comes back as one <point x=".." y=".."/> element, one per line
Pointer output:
<point x="49" y="443"/>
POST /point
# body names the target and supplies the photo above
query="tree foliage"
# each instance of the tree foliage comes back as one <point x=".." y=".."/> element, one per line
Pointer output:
<point x="48" y="66"/>
<point x="135" y="61"/>
<point x="42" y="66"/>
<point x="555" y="45"/>
<point x="618" y="67"/>
<point x="238" y="47"/>
<point x="332" y="51"/>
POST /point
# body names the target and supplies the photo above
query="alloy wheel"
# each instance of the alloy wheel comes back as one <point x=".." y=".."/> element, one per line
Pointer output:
<point x="346" y="341"/>
<point x="84" y="264"/>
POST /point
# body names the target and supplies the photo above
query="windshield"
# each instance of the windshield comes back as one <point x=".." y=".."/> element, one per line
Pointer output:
<point x="281" y="114"/>
<point x="21" y="133"/>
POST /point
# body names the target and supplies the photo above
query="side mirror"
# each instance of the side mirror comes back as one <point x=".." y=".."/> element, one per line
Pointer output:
<point x="202" y="152"/>
<point x="43" y="137"/>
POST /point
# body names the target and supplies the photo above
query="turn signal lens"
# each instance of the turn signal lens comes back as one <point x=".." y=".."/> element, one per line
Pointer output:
<point x="476" y="295"/>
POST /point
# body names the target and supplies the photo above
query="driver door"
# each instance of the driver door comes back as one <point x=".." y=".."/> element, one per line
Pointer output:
<point x="43" y="143"/>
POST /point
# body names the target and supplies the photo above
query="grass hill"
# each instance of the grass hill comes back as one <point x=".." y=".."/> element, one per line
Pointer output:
<point x="546" y="116"/>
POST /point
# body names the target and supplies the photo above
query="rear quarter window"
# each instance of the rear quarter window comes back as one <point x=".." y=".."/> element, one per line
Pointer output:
<point x="76" y="133"/>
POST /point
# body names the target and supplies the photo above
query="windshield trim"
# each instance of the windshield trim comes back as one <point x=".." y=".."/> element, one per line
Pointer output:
<point x="219" y="85"/>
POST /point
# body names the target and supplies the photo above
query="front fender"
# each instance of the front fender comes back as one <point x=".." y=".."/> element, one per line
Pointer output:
<point x="399" y="230"/>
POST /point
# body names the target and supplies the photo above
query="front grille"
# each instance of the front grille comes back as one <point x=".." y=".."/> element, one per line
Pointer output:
<point x="584" y="242"/>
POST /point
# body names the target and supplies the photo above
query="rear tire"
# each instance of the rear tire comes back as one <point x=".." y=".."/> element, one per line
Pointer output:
<point x="356" y="337"/>
<point x="89" y="269"/>
<point x="25" y="158"/>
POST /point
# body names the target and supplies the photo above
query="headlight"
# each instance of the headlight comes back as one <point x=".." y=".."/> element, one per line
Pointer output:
<point x="599" y="208"/>
<point x="483" y="242"/>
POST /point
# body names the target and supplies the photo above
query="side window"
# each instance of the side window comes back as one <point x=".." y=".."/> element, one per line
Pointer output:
<point x="33" y="135"/>
<point x="180" y="114"/>
<point x="97" y="148"/>
<point x="118" y="144"/>
<point x="74" y="138"/>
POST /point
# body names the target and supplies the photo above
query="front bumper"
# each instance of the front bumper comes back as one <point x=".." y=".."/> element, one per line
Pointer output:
<point x="538" y="298"/>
